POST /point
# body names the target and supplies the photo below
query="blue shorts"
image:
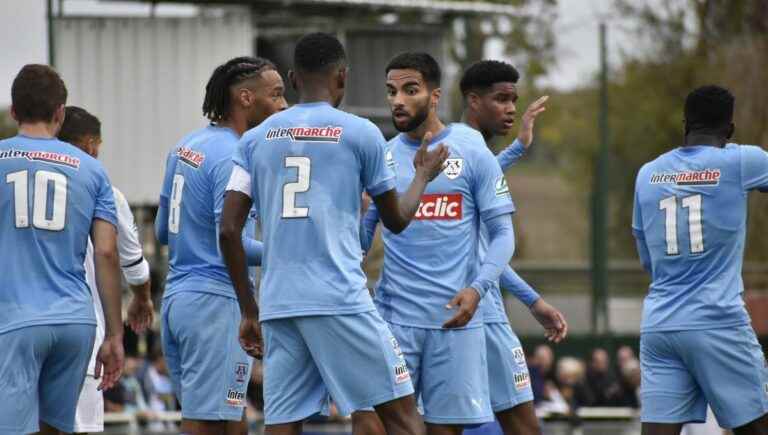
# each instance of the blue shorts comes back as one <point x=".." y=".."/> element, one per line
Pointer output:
<point x="352" y="358"/>
<point x="42" y="369"/>
<point x="683" y="371"/>
<point x="208" y="368"/>
<point x="449" y="372"/>
<point x="510" y="383"/>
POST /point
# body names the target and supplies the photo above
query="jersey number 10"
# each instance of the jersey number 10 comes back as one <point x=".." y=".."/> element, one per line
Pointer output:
<point x="693" y="204"/>
<point x="40" y="220"/>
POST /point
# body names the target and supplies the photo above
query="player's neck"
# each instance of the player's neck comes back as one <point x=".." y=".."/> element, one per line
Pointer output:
<point x="38" y="130"/>
<point x="431" y="125"/>
<point x="470" y="118"/>
<point x="692" y="139"/>
<point x="234" y="123"/>
<point x="320" y="94"/>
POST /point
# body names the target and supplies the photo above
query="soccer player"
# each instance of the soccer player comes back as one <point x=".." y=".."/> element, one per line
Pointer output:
<point x="489" y="89"/>
<point x="83" y="130"/>
<point x="52" y="196"/>
<point x="208" y="368"/>
<point x="434" y="262"/>
<point x="305" y="169"/>
<point x="696" y="343"/>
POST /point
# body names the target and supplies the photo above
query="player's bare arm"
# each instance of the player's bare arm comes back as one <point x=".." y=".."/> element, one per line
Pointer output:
<point x="525" y="134"/>
<point x="109" y="361"/>
<point x="396" y="213"/>
<point x="237" y="205"/>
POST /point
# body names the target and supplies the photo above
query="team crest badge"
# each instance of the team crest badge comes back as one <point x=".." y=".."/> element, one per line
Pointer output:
<point x="452" y="168"/>
<point x="241" y="372"/>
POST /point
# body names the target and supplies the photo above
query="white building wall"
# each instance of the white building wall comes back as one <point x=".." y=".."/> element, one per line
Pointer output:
<point x="145" y="79"/>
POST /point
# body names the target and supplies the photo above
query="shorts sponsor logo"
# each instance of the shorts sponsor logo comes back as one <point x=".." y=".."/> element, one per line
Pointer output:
<point x="190" y="157"/>
<point x="42" y="156"/>
<point x="235" y="397"/>
<point x="519" y="356"/>
<point x="241" y="372"/>
<point x="401" y="373"/>
<point x="705" y="177"/>
<point x="452" y="168"/>
<point x="522" y="380"/>
<point x="440" y="206"/>
<point x="307" y="134"/>
<point x="502" y="188"/>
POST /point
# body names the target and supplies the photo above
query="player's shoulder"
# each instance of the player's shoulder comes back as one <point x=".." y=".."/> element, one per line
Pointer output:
<point x="469" y="144"/>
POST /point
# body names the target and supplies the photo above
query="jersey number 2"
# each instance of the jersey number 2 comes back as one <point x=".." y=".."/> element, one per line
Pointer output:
<point x="303" y="167"/>
<point x="696" y="235"/>
<point x="40" y="219"/>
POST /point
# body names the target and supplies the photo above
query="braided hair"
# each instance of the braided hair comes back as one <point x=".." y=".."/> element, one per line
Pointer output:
<point x="216" y="105"/>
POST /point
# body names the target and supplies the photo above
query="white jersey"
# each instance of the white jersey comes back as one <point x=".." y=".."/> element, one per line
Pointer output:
<point x="134" y="266"/>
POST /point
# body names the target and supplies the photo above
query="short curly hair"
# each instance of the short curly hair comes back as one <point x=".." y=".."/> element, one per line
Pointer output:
<point x="480" y="76"/>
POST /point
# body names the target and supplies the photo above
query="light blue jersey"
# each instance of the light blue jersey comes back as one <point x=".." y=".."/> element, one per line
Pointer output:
<point x="196" y="175"/>
<point x="50" y="193"/>
<point x="436" y="256"/>
<point x="690" y="217"/>
<point x="309" y="165"/>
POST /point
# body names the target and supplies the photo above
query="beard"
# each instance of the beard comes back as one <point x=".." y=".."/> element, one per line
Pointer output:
<point x="416" y="120"/>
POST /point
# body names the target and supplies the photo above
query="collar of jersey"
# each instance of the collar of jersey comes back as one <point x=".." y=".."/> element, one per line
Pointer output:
<point x="312" y="104"/>
<point x="436" y="139"/>
<point x="36" y="138"/>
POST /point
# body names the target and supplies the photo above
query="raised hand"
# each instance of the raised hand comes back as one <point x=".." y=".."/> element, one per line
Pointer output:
<point x="525" y="134"/>
<point x="429" y="164"/>
<point x="553" y="321"/>
<point x="465" y="302"/>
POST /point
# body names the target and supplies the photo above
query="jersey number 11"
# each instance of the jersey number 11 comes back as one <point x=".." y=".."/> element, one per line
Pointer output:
<point x="693" y="204"/>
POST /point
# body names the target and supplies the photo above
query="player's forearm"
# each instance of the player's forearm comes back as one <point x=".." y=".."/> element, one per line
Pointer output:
<point x="142" y="291"/>
<point x="234" y="257"/>
<point x="521" y="290"/>
<point x="408" y="203"/>
<point x="107" y="264"/>
<point x="235" y="211"/>
<point x="510" y="155"/>
<point x="500" y="250"/>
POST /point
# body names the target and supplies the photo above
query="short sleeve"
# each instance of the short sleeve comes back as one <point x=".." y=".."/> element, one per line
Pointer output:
<point x="105" y="200"/>
<point x="170" y="169"/>
<point x="376" y="176"/>
<point x="489" y="186"/>
<point x="220" y="173"/>
<point x="754" y="167"/>
<point x="241" y="157"/>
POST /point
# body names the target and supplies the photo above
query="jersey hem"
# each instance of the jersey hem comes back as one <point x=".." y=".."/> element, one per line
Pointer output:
<point x="306" y="312"/>
<point x="693" y="327"/>
<point x="60" y="321"/>
<point x="422" y="326"/>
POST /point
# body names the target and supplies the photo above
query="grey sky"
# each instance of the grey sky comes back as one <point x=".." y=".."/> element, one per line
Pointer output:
<point x="23" y="37"/>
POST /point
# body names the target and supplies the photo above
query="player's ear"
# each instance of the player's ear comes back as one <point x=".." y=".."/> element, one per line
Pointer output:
<point x="292" y="79"/>
<point x="435" y="97"/>
<point x="341" y="78"/>
<point x="473" y="101"/>
<point x="13" y="114"/>
<point x="731" y="130"/>
<point x="58" y="117"/>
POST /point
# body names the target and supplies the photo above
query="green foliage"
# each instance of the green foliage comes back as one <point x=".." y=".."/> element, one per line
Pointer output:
<point x="689" y="44"/>
<point x="7" y="125"/>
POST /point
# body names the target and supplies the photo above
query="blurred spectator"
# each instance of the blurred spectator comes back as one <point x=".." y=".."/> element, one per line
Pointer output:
<point x="604" y="387"/>
<point x="630" y="384"/>
<point x="127" y="395"/>
<point x="623" y="355"/>
<point x="540" y="367"/>
<point x="158" y="390"/>
<point x="570" y="381"/>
